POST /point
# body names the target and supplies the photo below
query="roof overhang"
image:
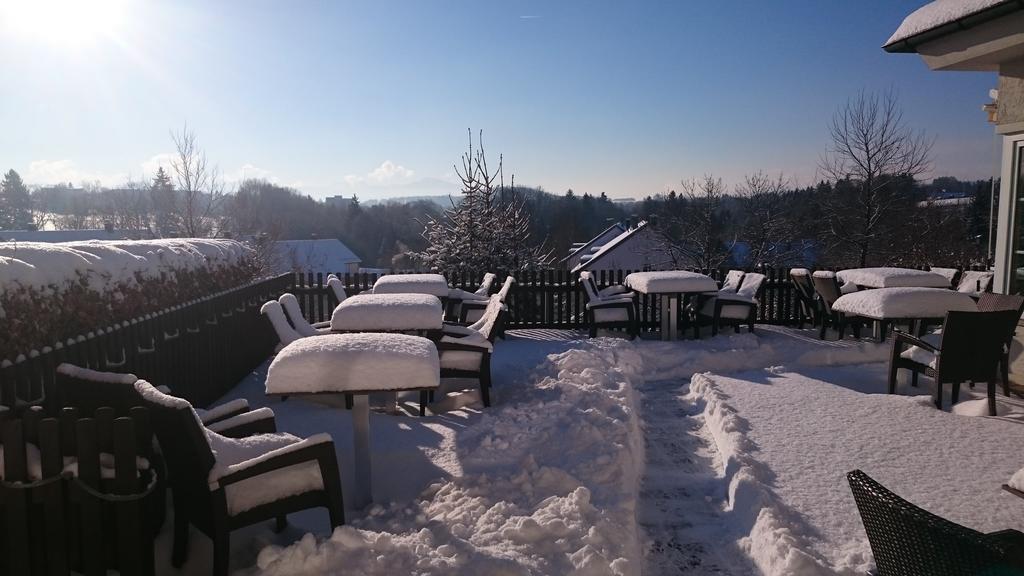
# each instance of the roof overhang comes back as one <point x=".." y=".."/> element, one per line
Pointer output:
<point x="980" y="41"/>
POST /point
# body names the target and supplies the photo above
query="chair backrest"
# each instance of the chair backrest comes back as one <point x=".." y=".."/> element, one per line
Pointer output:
<point x="338" y="288"/>
<point x="950" y="274"/>
<point x="751" y="284"/>
<point x="827" y="288"/>
<point x="991" y="302"/>
<point x="732" y="281"/>
<point x="589" y="286"/>
<point x="290" y="303"/>
<point x="488" y="322"/>
<point x="801" y="278"/>
<point x="183" y="443"/>
<point x="975" y="281"/>
<point x="485" y="285"/>
<point x="272" y="310"/>
<point x="88" y="390"/>
<point x="905" y="539"/>
<point x="972" y="344"/>
<point x="505" y="287"/>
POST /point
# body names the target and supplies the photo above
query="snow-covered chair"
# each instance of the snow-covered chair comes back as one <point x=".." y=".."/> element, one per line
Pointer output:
<point x="952" y="275"/>
<point x="969" y="349"/>
<point x="88" y="390"/>
<point x="473" y="309"/>
<point x="975" y="281"/>
<point x="801" y="278"/>
<point x="826" y="286"/>
<point x="221" y="484"/>
<point x="611" y="307"/>
<point x="732" y="281"/>
<point x="906" y="539"/>
<point x="474" y="301"/>
<point x="290" y="303"/>
<point x="733" y="307"/>
<point x="337" y="287"/>
<point x="275" y="313"/>
<point x="465" y="351"/>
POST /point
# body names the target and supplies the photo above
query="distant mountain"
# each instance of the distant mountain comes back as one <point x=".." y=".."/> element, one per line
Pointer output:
<point x="439" y="200"/>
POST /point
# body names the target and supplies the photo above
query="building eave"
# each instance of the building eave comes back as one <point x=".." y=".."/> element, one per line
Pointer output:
<point x="910" y="44"/>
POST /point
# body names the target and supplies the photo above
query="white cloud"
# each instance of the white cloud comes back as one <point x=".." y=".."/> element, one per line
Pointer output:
<point x="46" y="172"/>
<point x="161" y="160"/>
<point x="385" y="175"/>
<point x="247" y="171"/>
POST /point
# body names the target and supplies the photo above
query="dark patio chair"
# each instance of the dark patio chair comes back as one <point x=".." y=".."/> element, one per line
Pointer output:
<point x="989" y="302"/>
<point x="220" y="484"/>
<point x="611" y="307"/>
<point x="730" y="307"/>
<point x="827" y="288"/>
<point x="907" y="540"/>
<point x="465" y="351"/>
<point x="969" y="349"/>
<point x="804" y="289"/>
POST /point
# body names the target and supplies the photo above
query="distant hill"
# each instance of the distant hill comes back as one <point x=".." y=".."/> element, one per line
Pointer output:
<point x="442" y="201"/>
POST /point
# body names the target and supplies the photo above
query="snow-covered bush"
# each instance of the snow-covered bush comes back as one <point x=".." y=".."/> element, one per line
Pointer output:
<point x="50" y="292"/>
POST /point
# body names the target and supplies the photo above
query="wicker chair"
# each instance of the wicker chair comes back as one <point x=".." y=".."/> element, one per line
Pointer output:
<point x="465" y="351"/>
<point x="732" y="306"/>
<point x="801" y="278"/>
<point x="906" y="540"/>
<point x="220" y="486"/>
<point x="612" y="307"/>
<point x="969" y="349"/>
<point x="828" y="291"/>
<point x="989" y="302"/>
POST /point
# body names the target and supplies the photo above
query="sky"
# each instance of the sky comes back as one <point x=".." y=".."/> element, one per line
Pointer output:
<point x="375" y="98"/>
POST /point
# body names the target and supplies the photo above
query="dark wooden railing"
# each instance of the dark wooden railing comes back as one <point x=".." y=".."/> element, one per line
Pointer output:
<point x="201" y="349"/>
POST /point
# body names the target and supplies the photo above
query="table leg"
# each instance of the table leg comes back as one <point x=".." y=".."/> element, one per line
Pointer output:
<point x="673" y="317"/>
<point x="663" y="305"/>
<point x="391" y="402"/>
<point x="361" y="444"/>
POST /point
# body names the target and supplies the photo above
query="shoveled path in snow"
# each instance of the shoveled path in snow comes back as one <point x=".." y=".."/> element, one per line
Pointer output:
<point x="681" y="492"/>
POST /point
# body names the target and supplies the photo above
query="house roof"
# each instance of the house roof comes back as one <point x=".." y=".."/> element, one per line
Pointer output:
<point x="609" y="246"/>
<point x="326" y="255"/>
<point x="72" y="235"/>
<point x="944" y="17"/>
<point x="590" y="243"/>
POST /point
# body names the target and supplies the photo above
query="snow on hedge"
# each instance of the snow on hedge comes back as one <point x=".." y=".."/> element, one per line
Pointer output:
<point x="549" y="486"/>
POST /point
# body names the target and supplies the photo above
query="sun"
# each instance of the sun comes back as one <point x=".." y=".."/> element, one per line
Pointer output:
<point x="69" y="22"/>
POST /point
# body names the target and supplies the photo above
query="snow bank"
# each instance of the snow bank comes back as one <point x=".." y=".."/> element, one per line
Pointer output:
<point x="549" y="486"/>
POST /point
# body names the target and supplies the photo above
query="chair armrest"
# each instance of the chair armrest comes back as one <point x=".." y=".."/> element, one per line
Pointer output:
<point x="610" y="303"/>
<point x="321" y="325"/>
<point x="458" y="346"/>
<point x="259" y="421"/>
<point x="456" y="330"/>
<point x="902" y="337"/>
<point x="225" y="410"/>
<point x="313" y="448"/>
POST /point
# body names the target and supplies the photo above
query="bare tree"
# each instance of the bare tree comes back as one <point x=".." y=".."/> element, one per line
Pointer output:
<point x="127" y="207"/>
<point x="766" y="223"/>
<point x="200" y="189"/>
<point x="692" y="226"/>
<point x="871" y="155"/>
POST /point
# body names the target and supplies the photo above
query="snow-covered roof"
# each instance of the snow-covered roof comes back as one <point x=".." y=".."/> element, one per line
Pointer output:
<point x="941" y="17"/>
<point x="605" y="234"/>
<point x="326" y="255"/>
<point x="609" y="246"/>
<point x="72" y="235"/>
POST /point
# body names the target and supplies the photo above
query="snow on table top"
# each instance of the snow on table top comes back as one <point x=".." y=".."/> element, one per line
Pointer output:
<point x="354" y="363"/>
<point x="388" y="312"/>
<point x="792" y="470"/>
<point x="893" y="278"/>
<point x="670" y="281"/>
<point x="433" y="284"/>
<point x="937" y="13"/>
<point x="891" y="303"/>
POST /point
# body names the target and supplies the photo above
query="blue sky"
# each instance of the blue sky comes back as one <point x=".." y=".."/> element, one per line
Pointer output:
<point x="375" y="98"/>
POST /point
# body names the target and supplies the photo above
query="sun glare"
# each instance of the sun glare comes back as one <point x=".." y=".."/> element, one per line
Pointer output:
<point x="72" y="22"/>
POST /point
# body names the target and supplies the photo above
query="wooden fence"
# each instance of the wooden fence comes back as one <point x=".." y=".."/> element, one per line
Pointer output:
<point x="96" y="516"/>
<point x="549" y="298"/>
<point x="200" y="349"/>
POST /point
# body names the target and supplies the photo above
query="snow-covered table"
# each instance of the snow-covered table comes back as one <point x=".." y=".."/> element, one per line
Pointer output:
<point x="356" y="364"/>
<point x="671" y="285"/>
<point x="912" y="304"/>
<point x="433" y="284"/>
<point x="388" y="312"/>
<point x="892" y="278"/>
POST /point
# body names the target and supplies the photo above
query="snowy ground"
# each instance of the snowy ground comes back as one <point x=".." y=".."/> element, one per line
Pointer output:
<point x="723" y="456"/>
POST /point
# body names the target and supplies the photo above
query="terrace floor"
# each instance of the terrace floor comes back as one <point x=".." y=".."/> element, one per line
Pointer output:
<point x="720" y="456"/>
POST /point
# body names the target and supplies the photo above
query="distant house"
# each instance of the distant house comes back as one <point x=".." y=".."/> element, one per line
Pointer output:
<point x="633" y="248"/>
<point x="327" y="255"/>
<point x="73" y="235"/>
<point x="983" y="35"/>
<point x="338" y="201"/>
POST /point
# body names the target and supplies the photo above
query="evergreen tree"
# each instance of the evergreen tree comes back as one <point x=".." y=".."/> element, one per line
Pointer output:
<point x="162" y="197"/>
<point x="15" y="203"/>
